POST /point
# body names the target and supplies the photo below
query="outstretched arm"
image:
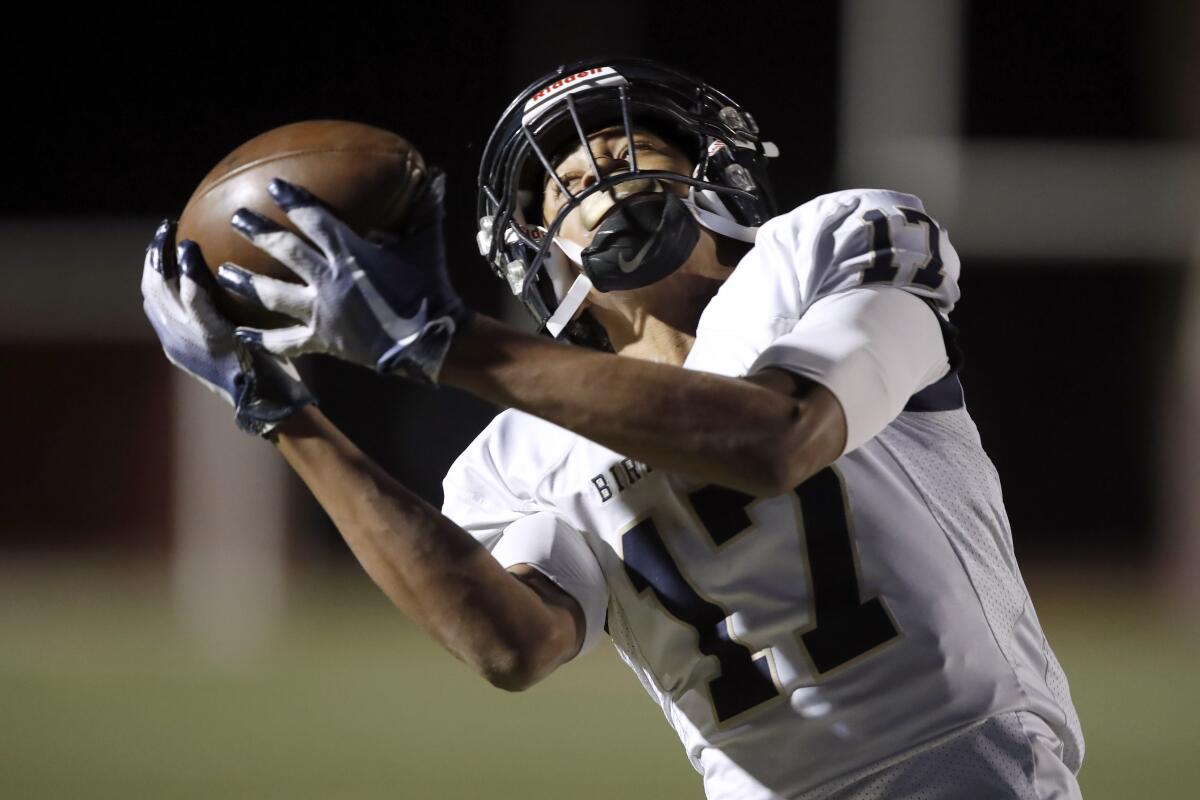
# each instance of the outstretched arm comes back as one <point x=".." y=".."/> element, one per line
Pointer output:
<point x="838" y="379"/>
<point x="763" y="434"/>
<point x="844" y="372"/>
<point x="514" y="627"/>
<point x="392" y="308"/>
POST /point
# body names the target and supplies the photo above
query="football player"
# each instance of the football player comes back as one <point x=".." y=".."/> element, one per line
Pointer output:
<point x="757" y="474"/>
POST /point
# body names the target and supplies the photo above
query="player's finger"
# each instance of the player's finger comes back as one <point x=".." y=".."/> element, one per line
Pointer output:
<point x="160" y="254"/>
<point x="287" y="342"/>
<point x="314" y="219"/>
<point x="196" y="288"/>
<point x="192" y="264"/>
<point x="161" y="296"/>
<point x="291" y="299"/>
<point x="283" y="245"/>
<point x="154" y="288"/>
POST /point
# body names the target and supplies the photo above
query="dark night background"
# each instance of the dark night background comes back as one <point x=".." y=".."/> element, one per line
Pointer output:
<point x="119" y="116"/>
<point x="179" y="619"/>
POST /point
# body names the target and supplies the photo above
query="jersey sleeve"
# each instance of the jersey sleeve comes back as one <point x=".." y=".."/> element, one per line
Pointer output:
<point x="851" y="290"/>
<point x="548" y="543"/>
<point x="490" y="491"/>
<point x="873" y="273"/>
<point x="873" y="347"/>
<point x="862" y="237"/>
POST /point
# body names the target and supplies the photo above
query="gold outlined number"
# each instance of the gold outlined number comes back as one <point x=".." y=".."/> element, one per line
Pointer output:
<point x="883" y="252"/>
<point x="845" y="626"/>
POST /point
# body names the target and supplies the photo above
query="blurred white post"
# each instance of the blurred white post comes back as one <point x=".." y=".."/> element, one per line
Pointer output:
<point x="900" y="127"/>
<point x="77" y="280"/>
<point x="1181" y="461"/>
<point x="899" y="99"/>
<point x="1176" y="72"/>
<point x="229" y="527"/>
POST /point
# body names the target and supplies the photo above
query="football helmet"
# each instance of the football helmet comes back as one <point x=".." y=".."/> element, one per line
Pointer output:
<point x="644" y="239"/>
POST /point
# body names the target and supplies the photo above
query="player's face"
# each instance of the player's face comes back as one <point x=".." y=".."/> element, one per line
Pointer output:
<point x="610" y="147"/>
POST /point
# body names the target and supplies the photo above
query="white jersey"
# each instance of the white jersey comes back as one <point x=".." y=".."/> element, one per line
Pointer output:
<point x="803" y="643"/>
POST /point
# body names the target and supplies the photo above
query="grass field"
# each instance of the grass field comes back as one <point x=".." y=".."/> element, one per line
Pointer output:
<point x="101" y="696"/>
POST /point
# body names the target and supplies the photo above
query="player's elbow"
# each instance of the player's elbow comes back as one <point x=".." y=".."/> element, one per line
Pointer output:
<point x="512" y="681"/>
<point x="508" y="677"/>
<point x="812" y="439"/>
<point x="762" y="473"/>
<point x="514" y="670"/>
<point x="533" y="641"/>
<point x="784" y="470"/>
<point x="522" y="659"/>
<point x="772" y="466"/>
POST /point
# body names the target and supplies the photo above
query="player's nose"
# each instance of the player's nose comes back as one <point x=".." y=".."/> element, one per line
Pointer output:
<point x="606" y="165"/>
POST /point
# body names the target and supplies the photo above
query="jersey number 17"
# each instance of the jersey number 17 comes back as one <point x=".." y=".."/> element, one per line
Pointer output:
<point x="845" y="625"/>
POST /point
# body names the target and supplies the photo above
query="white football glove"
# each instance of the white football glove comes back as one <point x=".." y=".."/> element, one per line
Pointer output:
<point x="384" y="303"/>
<point x="176" y="283"/>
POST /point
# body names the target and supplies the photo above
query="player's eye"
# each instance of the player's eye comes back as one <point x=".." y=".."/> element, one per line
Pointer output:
<point x="640" y="144"/>
<point x="566" y="179"/>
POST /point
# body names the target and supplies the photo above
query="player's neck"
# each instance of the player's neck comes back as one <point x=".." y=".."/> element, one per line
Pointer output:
<point x="658" y="322"/>
<point x="658" y="342"/>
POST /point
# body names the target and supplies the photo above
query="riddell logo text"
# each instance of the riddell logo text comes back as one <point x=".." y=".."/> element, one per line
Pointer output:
<point x="561" y="82"/>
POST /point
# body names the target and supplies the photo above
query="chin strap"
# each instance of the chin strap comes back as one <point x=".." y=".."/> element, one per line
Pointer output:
<point x="578" y="292"/>
<point x="709" y="212"/>
<point x="572" y="251"/>
<point x="574" y="296"/>
<point x="569" y="305"/>
<point x="722" y="225"/>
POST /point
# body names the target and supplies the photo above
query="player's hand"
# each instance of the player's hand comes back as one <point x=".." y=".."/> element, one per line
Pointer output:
<point x="384" y="303"/>
<point x="176" y="286"/>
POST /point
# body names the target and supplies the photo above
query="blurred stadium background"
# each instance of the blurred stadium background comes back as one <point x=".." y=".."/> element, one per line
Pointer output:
<point x="178" y="618"/>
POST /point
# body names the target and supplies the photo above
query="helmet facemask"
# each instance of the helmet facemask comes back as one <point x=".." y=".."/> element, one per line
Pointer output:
<point x="644" y="238"/>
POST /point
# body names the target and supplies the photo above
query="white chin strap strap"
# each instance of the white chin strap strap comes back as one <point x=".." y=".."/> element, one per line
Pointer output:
<point x="718" y="223"/>
<point x="569" y="303"/>
<point x="571" y="250"/>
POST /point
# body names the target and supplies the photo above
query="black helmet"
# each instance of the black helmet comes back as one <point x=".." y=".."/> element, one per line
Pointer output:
<point x="728" y="190"/>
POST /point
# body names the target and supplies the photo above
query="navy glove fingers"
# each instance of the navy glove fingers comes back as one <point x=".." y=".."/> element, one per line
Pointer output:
<point x="160" y="297"/>
<point x="383" y="302"/>
<point x="160" y="255"/>
<point x="192" y="264"/>
<point x="285" y="342"/>
<point x="177" y="299"/>
<point x="281" y="244"/>
<point x="314" y="219"/>
<point x="290" y="299"/>
<point x="195" y="290"/>
<point x="158" y="266"/>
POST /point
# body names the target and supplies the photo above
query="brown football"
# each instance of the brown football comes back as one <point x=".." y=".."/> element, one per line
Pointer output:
<point x="365" y="174"/>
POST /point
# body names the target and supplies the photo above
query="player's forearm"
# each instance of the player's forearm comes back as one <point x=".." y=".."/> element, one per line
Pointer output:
<point x="729" y="431"/>
<point x="432" y="569"/>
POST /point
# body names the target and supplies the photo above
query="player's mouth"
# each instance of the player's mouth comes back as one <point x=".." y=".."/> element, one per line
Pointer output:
<point x="596" y="208"/>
